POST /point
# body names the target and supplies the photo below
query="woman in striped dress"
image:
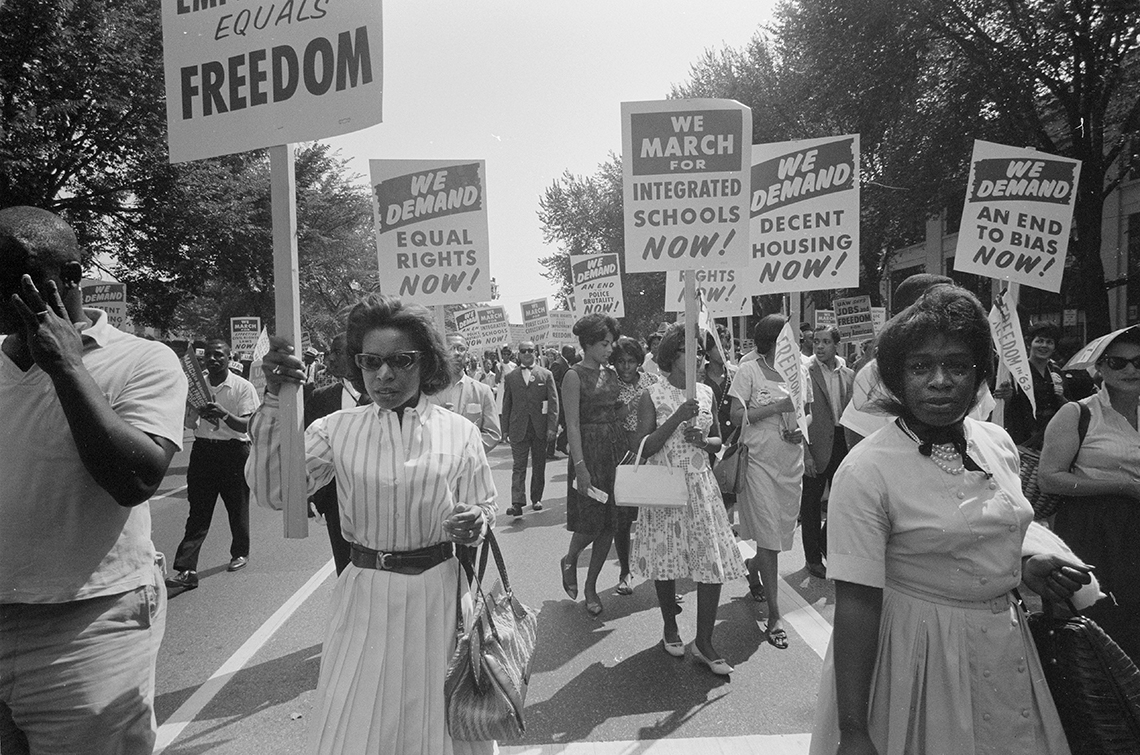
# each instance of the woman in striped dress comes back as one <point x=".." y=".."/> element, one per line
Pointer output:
<point x="412" y="480"/>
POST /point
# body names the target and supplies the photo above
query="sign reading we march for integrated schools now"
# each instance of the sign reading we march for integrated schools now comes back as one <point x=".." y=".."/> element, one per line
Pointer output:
<point x="1017" y="215"/>
<point x="723" y="292"/>
<point x="597" y="284"/>
<point x="244" y="76"/>
<point x="431" y="230"/>
<point x="805" y="215"/>
<point x="685" y="184"/>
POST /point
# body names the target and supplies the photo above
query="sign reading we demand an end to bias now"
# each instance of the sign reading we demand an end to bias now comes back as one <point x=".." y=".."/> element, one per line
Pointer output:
<point x="685" y="184"/>
<point x="242" y="76"/>
<point x="431" y="230"/>
<point x="804" y="215"/>
<point x="1017" y="215"/>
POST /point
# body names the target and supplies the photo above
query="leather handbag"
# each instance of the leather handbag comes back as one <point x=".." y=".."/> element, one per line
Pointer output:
<point x="731" y="468"/>
<point x="1094" y="685"/>
<point x="486" y="681"/>
<point x="640" y="484"/>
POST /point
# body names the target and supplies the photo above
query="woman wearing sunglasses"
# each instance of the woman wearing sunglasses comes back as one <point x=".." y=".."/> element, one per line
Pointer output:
<point x="1100" y="479"/>
<point x="412" y="481"/>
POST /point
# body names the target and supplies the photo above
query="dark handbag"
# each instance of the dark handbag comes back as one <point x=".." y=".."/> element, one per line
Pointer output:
<point x="1094" y="684"/>
<point x="485" y="686"/>
<point x="1045" y="504"/>
<point x="731" y="468"/>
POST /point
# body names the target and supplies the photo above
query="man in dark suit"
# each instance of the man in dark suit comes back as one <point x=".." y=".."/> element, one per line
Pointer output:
<point x="318" y="403"/>
<point x="559" y="368"/>
<point x="831" y="382"/>
<point x="530" y="407"/>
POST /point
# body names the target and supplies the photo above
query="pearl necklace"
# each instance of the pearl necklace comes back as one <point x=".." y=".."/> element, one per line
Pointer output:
<point x="944" y="455"/>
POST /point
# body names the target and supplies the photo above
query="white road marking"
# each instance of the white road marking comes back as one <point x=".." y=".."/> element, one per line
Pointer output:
<point x="202" y="696"/>
<point x="168" y="494"/>
<point x="803" y="618"/>
<point x="768" y="744"/>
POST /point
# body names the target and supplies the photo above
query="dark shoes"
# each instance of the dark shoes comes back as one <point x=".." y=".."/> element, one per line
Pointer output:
<point x="183" y="580"/>
<point x="237" y="563"/>
<point x="537" y="506"/>
<point x="514" y="511"/>
<point x="819" y="571"/>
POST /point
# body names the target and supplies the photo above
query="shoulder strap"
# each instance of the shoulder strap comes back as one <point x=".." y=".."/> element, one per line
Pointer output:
<point x="1083" y="422"/>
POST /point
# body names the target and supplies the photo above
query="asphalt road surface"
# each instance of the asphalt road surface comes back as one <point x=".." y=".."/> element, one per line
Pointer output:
<point x="239" y="664"/>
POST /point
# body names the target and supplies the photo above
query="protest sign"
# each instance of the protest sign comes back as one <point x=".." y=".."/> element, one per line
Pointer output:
<point x="562" y="327"/>
<point x="431" y="230"/>
<point x="597" y="284"/>
<point x="260" y="349"/>
<point x="721" y="290"/>
<point x="685" y="184"/>
<point x="467" y="325"/>
<point x="824" y="317"/>
<point x="518" y="334"/>
<point x="1005" y="326"/>
<point x="853" y="318"/>
<point x="493" y="329"/>
<point x="243" y="334"/>
<point x="536" y="319"/>
<point x="1017" y="215"/>
<point x="241" y="78"/>
<point x="109" y="297"/>
<point x="878" y="318"/>
<point x="198" y="393"/>
<point x="787" y="362"/>
<point x="804" y="215"/>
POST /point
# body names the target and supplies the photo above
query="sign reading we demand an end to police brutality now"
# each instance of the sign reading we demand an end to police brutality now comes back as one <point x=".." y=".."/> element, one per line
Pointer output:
<point x="1017" y="215"/>
<point x="805" y="215"/>
<point x="597" y="284"/>
<point x="685" y="186"/>
<point x="242" y="76"/>
<point x="431" y="230"/>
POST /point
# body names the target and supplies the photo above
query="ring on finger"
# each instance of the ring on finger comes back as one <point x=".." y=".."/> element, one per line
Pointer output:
<point x="41" y="314"/>
<point x="276" y="370"/>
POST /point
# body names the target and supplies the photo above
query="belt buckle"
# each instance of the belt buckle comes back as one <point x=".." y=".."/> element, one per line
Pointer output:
<point x="385" y="561"/>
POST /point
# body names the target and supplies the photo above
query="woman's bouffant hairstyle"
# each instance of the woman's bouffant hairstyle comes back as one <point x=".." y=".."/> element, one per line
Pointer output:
<point x="947" y="310"/>
<point x="766" y="332"/>
<point x="593" y="328"/>
<point x="380" y="311"/>
<point x="626" y="346"/>
<point x="672" y="343"/>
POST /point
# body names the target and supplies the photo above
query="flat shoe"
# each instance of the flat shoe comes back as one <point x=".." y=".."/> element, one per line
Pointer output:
<point x="719" y="667"/>
<point x="819" y="571"/>
<point x="593" y="607"/>
<point x="569" y="578"/>
<point x="623" y="587"/>
<point x="777" y="638"/>
<point x="675" y="649"/>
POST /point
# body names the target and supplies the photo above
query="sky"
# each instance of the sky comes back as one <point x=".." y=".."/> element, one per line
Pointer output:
<point x="534" y="88"/>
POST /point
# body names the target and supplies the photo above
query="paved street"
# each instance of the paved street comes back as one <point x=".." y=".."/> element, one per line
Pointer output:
<point x="239" y="664"/>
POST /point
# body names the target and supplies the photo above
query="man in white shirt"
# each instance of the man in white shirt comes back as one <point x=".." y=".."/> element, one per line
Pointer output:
<point x="217" y="465"/>
<point x="469" y="398"/>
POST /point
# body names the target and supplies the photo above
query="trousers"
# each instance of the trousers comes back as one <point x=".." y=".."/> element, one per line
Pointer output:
<point x="811" y="502"/>
<point x="534" y="446"/>
<point x="216" y="468"/>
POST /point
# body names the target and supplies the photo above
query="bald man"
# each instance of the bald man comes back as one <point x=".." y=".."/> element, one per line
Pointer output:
<point x="89" y="420"/>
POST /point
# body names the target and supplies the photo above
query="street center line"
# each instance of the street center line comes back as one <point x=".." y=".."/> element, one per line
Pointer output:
<point x="168" y="494"/>
<point x="202" y="696"/>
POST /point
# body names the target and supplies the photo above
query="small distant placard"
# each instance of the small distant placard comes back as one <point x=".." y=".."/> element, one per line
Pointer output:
<point x="853" y="318"/>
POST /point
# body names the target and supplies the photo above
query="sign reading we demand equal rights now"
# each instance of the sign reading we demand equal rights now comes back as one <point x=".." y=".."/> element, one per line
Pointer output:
<point x="431" y="230"/>
<point x="685" y="184"/>
<point x="241" y="76"/>
<point x="1017" y="215"/>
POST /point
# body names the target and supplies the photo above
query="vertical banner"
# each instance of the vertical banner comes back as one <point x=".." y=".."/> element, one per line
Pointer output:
<point x="597" y="284"/>
<point x="536" y="319"/>
<point x="805" y="215"/>
<point x="109" y="297"/>
<point x="198" y="393"/>
<point x="242" y="77"/>
<point x="1017" y="215"/>
<point x="493" y="328"/>
<point x="787" y="362"/>
<point x="562" y="327"/>
<point x="853" y="318"/>
<point x="431" y="230"/>
<point x="721" y="291"/>
<point x="685" y="184"/>
<point x="243" y="334"/>
<point x="1005" y="326"/>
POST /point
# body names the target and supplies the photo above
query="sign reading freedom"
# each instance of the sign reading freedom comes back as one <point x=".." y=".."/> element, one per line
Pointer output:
<point x="245" y="76"/>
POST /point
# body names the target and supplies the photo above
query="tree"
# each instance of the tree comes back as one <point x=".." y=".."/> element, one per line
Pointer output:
<point x="583" y="215"/>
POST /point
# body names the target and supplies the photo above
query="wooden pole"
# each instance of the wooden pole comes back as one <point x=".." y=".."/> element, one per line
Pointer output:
<point x="690" y="334"/>
<point x="287" y="297"/>
<point x="1003" y="374"/>
<point x="441" y="319"/>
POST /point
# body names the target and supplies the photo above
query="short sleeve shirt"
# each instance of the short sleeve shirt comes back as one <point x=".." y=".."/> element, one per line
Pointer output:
<point x="63" y="537"/>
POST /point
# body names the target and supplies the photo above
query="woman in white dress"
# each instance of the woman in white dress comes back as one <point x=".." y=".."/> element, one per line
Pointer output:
<point x="412" y="482"/>
<point x="770" y="503"/>
<point x="695" y="542"/>
<point x="930" y="652"/>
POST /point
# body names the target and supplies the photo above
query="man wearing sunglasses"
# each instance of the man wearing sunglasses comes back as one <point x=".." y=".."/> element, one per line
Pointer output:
<point x="530" y="406"/>
<point x="469" y="398"/>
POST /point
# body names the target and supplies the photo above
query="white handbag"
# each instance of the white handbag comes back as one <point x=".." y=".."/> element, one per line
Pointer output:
<point x="640" y="484"/>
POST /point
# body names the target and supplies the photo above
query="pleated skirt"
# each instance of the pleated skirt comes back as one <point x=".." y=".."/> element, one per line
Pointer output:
<point x="385" y="655"/>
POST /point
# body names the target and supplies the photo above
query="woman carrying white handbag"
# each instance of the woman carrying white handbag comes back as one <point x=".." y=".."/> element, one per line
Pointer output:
<point x="694" y="540"/>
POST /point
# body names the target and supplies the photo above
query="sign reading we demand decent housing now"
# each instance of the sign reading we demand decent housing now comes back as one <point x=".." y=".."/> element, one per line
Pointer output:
<point x="242" y="76"/>
<point x="431" y="230"/>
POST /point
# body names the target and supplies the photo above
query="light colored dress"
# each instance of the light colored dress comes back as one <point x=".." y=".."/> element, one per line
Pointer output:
<point x="957" y="671"/>
<point x="773" y="482"/>
<point x="694" y="542"/>
<point x="390" y="636"/>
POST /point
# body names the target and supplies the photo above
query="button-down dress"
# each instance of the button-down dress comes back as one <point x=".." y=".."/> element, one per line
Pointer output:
<point x="957" y="671"/>
<point x="390" y="636"/>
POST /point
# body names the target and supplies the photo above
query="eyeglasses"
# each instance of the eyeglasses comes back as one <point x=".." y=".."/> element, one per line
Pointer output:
<point x="955" y="368"/>
<point x="401" y="360"/>
<point x="1119" y="363"/>
<point x="526" y="351"/>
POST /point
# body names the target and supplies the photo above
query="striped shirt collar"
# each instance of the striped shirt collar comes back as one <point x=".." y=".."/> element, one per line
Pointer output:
<point x="421" y="410"/>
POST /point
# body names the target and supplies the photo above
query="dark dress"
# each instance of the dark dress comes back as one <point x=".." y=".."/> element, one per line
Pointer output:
<point x="603" y="445"/>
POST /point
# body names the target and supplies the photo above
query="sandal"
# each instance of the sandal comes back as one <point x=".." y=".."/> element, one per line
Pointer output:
<point x="777" y="637"/>
<point x="569" y="578"/>
<point x="755" y="586"/>
<point x="594" y="607"/>
<point x="623" y="587"/>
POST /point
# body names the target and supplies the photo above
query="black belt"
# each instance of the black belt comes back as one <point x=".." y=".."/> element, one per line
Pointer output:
<point x="221" y="440"/>
<point x="402" y="562"/>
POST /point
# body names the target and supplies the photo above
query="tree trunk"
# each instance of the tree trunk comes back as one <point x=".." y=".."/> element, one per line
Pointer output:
<point x="1086" y="277"/>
